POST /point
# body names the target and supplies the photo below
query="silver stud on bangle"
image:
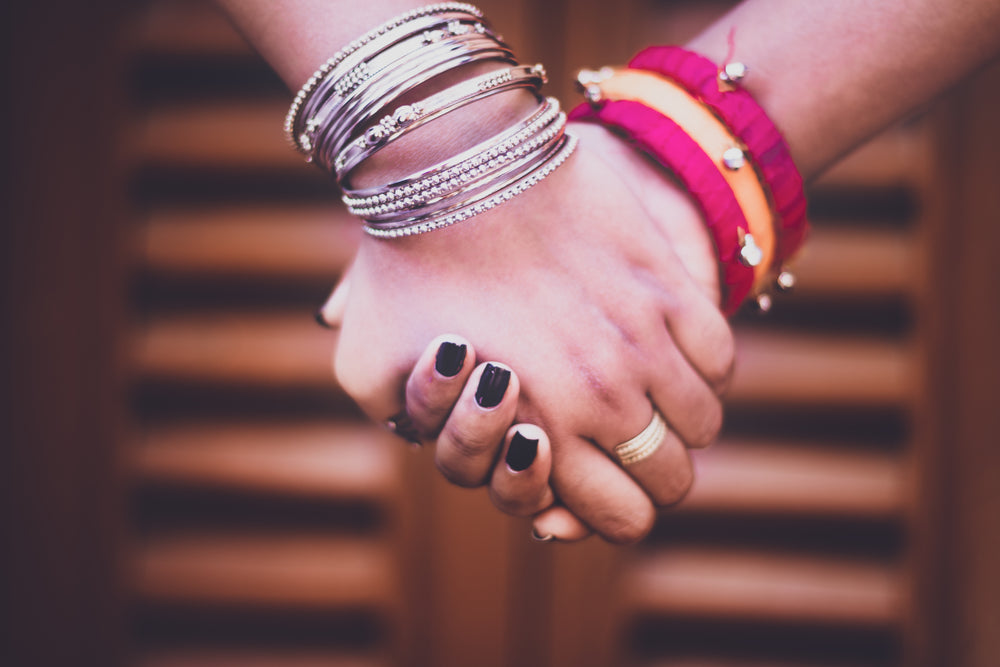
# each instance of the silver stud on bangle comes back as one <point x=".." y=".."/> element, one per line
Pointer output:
<point x="764" y="303"/>
<point x="785" y="281"/>
<point x="750" y="253"/>
<point x="734" y="158"/>
<point x="733" y="72"/>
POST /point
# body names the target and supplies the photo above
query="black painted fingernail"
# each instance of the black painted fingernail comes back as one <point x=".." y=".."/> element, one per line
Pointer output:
<point x="450" y="359"/>
<point x="320" y="320"/>
<point x="521" y="452"/>
<point x="492" y="385"/>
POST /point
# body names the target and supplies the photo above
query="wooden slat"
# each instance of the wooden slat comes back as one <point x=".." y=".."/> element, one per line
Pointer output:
<point x="240" y="134"/>
<point x="855" y="263"/>
<point x="896" y="158"/>
<point x="820" y="370"/>
<point x="294" y="571"/>
<point x="745" y="477"/>
<point x="292" y="242"/>
<point x="316" y="461"/>
<point x="185" y="28"/>
<point x="764" y="587"/>
<point x="244" y="657"/>
<point x="260" y="349"/>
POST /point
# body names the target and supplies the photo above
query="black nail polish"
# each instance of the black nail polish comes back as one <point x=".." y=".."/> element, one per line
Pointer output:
<point x="450" y="359"/>
<point x="492" y="386"/>
<point x="521" y="452"/>
<point x="320" y="320"/>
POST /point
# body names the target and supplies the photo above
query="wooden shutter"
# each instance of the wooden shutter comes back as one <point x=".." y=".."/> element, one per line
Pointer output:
<point x="267" y="516"/>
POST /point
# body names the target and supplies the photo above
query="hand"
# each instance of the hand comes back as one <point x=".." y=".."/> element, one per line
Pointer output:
<point x="575" y="283"/>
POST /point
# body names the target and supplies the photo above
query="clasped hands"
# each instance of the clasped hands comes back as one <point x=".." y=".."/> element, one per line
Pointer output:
<point x="588" y="302"/>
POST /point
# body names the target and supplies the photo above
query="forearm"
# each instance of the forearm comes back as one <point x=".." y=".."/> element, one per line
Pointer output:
<point x="832" y="74"/>
<point x="295" y="36"/>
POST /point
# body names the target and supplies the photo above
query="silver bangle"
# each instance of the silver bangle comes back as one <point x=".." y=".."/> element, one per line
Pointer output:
<point x="411" y="116"/>
<point x="291" y="118"/>
<point x="506" y="140"/>
<point x="529" y="180"/>
<point x="457" y="181"/>
<point x="372" y="99"/>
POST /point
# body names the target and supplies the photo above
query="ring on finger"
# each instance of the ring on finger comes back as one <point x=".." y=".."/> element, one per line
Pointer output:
<point x="645" y="443"/>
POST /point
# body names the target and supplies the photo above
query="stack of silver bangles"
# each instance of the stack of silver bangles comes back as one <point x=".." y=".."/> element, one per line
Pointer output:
<point x="349" y="110"/>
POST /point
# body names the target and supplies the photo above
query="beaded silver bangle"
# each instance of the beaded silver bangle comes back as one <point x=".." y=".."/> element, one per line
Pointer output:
<point x="456" y="182"/>
<point x="435" y="175"/>
<point x="567" y="146"/>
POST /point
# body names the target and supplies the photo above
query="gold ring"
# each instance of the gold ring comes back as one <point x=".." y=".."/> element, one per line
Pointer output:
<point x="643" y="445"/>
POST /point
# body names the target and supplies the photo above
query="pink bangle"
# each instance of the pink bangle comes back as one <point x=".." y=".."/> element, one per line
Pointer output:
<point x="662" y="138"/>
<point x="747" y="120"/>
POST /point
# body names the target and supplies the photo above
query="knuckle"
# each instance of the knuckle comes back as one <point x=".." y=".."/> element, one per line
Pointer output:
<point x="709" y="426"/>
<point x="630" y="527"/>
<point x="676" y="487"/>
<point x="457" y="470"/>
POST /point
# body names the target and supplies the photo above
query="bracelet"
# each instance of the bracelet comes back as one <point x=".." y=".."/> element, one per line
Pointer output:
<point x="410" y="116"/>
<point x="448" y="178"/>
<point x="683" y="110"/>
<point x="353" y="107"/>
<point x="667" y="142"/>
<point x="739" y="110"/>
<point x="291" y="119"/>
<point x="754" y="228"/>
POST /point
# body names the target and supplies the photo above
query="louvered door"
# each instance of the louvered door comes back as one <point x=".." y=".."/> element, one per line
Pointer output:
<point x="268" y="522"/>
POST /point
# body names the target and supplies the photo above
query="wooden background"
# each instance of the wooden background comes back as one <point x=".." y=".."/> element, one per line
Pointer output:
<point x="185" y="485"/>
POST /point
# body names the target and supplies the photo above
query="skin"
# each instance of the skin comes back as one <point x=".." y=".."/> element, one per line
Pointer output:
<point x="538" y="283"/>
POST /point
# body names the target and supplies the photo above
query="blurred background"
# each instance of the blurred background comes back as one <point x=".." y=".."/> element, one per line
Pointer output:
<point x="184" y="484"/>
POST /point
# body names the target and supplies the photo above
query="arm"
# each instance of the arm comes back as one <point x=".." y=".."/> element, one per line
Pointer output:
<point x="832" y="74"/>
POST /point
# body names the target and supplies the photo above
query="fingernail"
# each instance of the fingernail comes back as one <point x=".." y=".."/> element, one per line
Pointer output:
<point x="541" y="538"/>
<point x="521" y="452"/>
<point x="450" y="359"/>
<point x="320" y="320"/>
<point x="402" y="425"/>
<point x="492" y="386"/>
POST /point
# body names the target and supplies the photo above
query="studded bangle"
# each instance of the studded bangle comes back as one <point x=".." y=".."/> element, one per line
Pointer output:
<point x="719" y="89"/>
<point x="338" y="124"/>
<point x="395" y="48"/>
<point x="291" y="119"/>
<point x="408" y="117"/>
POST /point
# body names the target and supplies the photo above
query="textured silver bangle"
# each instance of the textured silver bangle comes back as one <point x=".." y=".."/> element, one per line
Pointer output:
<point x="401" y="43"/>
<point x="568" y="145"/>
<point x="337" y="127"/>
<point x="333" y="61"/>
<point x="471" y="187"/>
<point x="411" y="116"/>
<point x="458" y="182"/>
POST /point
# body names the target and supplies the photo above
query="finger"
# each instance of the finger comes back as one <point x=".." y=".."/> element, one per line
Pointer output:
<point x="600" y="493"/>
<point x="658" y="460"/>
<point x="520" y="481"/>
<point x="703" y="335"/>
<point x="559" y="524"/>
<point x="471" y="438"/>
<point x="437" y="381"/>
<point x="689" y="405"/>
<point x="331" y="313"/>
